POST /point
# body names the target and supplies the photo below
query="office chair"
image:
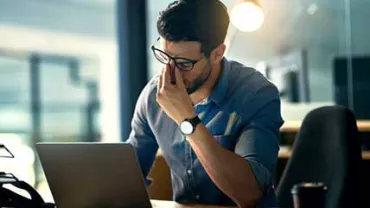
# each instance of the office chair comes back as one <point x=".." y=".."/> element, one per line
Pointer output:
<point x="327" y="149"/>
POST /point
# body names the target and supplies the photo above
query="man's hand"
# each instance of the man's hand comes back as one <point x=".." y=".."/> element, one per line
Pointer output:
<point x="173" y="98"/>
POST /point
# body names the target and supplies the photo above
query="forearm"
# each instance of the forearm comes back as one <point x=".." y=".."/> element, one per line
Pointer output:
<point x="229" y="171"/>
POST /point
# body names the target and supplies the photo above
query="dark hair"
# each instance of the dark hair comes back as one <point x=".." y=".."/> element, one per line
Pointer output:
<point x="204" y="21"/>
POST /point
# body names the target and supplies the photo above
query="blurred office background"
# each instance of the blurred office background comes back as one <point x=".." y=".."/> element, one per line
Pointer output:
<point x="61" y="75"/>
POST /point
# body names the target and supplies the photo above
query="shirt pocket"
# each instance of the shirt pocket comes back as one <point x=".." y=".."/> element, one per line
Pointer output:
<point x="226" y="141"/>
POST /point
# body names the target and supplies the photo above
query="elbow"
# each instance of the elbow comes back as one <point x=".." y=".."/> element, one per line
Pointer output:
<point x="250" y="200"/>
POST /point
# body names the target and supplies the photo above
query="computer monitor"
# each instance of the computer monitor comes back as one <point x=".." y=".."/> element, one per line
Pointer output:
<point x="289" y="73"/>
<point x="352" y="84"/>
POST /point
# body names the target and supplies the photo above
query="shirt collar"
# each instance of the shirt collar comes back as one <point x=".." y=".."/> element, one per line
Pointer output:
<point x="219" y="91"/>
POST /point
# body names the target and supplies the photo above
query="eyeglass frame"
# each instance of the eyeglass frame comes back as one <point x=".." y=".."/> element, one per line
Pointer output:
<point x="193" y="62"/>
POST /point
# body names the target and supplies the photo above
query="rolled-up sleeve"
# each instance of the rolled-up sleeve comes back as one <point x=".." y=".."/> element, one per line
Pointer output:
<point x="141" y="136"/>
<point x="258" y="142"/>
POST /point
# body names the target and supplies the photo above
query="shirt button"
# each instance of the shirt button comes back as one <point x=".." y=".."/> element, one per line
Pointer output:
<point x="188" y="171"/>
<point x="197" y="196"/>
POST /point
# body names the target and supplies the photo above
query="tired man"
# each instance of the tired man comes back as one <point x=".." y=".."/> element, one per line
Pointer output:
<point x="215" y="121"/>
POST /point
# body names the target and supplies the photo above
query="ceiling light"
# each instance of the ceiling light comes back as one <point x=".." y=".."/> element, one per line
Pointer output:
<point x="247" y="16"/>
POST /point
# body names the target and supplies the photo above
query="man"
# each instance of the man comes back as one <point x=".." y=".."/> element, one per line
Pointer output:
<point x="216" y="121"/>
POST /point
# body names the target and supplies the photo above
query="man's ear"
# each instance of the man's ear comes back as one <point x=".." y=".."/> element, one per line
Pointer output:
<point x="217" y="54"/>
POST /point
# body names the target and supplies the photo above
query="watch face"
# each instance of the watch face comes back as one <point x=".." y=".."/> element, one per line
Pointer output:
<point x="186" y="127"/>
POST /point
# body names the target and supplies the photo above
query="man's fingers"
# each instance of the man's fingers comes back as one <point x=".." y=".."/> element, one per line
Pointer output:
<point x="179" y="80"/>
<point x="159" y="84"/>
<point x="166" y="75"/>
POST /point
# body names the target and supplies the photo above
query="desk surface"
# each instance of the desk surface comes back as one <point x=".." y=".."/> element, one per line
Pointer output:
<point x="171" y="204"/>
<point x="293" y="126"/>
<point x="285" y="154"/>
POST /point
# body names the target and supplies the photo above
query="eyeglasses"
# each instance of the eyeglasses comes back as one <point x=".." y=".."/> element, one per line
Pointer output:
<point x="183" y="64"/>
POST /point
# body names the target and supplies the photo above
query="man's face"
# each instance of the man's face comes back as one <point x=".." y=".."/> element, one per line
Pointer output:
<point x="191" y="50"/>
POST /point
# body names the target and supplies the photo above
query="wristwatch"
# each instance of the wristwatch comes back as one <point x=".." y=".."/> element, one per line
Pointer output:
<point x="187" y="127"/>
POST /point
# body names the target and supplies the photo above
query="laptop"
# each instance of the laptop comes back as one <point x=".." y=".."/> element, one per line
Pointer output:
<point x="84" y="175"/>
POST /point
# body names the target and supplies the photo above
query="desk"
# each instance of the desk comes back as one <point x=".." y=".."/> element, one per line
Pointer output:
<point x="286" y="154"/>
<point x="171" y="204"/>
<point x="293" y="126"/>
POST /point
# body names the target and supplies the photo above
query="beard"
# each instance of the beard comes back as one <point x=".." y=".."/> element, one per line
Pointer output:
<point x="199" y="81"/>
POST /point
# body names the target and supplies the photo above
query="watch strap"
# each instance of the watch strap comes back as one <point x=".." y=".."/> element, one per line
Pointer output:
<point x="194" y="121"/>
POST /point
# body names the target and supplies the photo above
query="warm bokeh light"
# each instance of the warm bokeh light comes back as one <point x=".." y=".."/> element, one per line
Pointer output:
<point x="247" y="16"/>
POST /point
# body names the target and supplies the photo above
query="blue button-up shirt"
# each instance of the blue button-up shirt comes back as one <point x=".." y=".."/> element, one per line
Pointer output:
<point x="243" y="115"/>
